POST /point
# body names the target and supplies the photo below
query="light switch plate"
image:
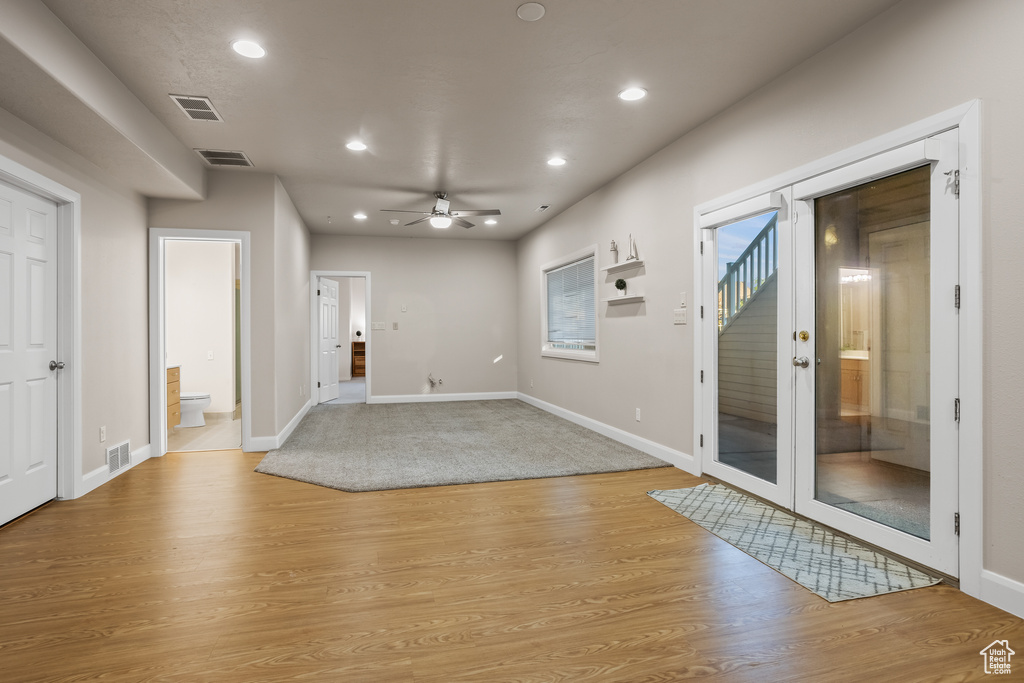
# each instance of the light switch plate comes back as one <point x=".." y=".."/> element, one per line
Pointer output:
<point x="680" y="316"/>
<point x="376" y="326"/>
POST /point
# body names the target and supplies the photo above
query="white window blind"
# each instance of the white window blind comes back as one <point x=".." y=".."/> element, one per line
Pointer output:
<point x="572" y="311"/>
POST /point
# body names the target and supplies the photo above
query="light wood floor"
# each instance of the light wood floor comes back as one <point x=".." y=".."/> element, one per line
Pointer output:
<point x="193" y="568"/>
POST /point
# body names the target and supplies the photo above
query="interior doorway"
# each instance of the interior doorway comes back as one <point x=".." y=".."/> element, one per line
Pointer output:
<point x="202" y="288"/>
<point x="340" y="353"/>
<point x="208" y="265"/>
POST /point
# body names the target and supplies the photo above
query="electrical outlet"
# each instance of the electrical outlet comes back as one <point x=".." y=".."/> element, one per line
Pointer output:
<point x="103" y="434"/>
<point x="404" y="308"/>
<point x="302" y="391"/>
<point x="637" y="414"/>
<point x="209" y="355"/>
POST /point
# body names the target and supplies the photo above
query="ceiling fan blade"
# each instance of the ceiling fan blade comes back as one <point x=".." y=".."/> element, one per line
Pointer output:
<point x="477" y="212"/>
<point x="461" y="223"/>
<point x="418" y="220"/>
<point x="426" y="213"/>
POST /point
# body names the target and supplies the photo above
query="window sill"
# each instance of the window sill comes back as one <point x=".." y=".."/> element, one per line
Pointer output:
<point x="569" y="354"/>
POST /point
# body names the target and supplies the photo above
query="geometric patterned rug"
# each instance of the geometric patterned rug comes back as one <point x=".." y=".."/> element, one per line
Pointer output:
<point x="829" y="565"/>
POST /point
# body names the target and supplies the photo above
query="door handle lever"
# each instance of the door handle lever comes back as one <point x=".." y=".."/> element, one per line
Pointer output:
<point x="801" y="362"/>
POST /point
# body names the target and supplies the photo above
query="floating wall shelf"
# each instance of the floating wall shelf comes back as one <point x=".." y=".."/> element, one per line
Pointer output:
<point x="628" y="299"/>
<point x="620" y="267"/>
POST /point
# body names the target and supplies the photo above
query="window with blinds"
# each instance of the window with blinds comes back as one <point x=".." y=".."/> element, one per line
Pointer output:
<point x="570" y="320"/>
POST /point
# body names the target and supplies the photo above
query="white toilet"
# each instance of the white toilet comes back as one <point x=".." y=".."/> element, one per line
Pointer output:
<point x="192" y="406"/>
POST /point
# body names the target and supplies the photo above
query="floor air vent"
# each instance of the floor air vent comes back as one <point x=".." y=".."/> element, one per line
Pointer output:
<point x="197" y="108"/>
<point x="119" y="456"/>
<point x="223" y="157"/>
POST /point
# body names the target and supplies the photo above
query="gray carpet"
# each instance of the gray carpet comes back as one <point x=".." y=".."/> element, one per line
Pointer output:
<point x="377" y="447"/>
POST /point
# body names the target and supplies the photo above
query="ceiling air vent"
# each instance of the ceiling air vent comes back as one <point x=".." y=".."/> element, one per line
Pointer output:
<point x="197" y="108"/>
<point x="223" y="157"/>
<point x="542" y="208"/>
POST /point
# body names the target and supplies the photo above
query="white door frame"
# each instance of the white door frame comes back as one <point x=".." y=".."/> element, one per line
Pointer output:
<point x="967" y="118"/>
<point x="314" y="326"/>
<point x="70" y="482"/>
<point x="158" y="238"/>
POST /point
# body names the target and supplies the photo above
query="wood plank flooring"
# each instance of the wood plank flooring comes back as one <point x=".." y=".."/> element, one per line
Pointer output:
<point x="192" y="568"/>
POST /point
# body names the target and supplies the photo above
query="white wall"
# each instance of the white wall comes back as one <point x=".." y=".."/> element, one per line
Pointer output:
<point x="199" y="310"/>
<point x="920" y="58"/>
<point x="291" y="304"/>
<point x="460" y="300"/>
<point x="114" y="289"/>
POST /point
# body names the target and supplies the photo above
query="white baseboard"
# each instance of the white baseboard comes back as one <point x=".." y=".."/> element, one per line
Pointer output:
<point x="1006" y="594"/>
<point x="683" y="461"/>
<point x="101" y="475"/>
<point x="259" y="444"/>
<point x="436" y="398"/>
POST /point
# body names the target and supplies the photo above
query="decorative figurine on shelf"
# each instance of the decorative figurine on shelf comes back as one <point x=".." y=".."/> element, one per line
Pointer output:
<point x="633" y="256"/>
<point x="615" y="253"/>
<point x="620" y="285"/>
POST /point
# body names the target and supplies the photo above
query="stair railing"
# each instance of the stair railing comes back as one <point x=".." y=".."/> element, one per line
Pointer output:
<point x="745" y="276"/>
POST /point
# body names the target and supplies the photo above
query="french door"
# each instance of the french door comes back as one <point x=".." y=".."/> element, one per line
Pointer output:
<point x="833" y="358"/>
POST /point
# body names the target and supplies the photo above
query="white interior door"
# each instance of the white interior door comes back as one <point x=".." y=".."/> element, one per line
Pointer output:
<point x="327" y="300"/>
<point x="876" y="407"/>
<point x="28" y="343"/>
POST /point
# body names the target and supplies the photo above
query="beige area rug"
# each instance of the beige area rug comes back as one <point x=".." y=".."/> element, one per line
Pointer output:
<point x="407" y="445"/>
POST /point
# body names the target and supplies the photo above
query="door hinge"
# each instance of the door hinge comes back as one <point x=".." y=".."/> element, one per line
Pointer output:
<point x="702" y="247"/>
<point x="956" y="523"/>
<point x="701" y="311"/>
<point x="318" y="292"/>
<point x="702" y="377"/>
<point x="702" y="441"/>
<point x="318" y="385"/>
<point x="956" y="297"/>
<point x="956" y="409"/>
<point x="955" y="177"/>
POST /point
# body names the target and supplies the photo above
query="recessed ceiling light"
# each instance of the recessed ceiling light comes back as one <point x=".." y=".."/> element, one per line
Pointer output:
<point x="631" y="94"/>
<point x="490" y="221"/>
<point x="359" y="216"/>
<point x="441" y="221"/>
<point x="356" y="145"/>
<point x="249" y="49"/>
<point x="530" y="11"/>
<point x="556" y="161"/>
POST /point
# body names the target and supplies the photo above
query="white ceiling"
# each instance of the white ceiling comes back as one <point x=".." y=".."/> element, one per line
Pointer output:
<point x="455" y="95"/>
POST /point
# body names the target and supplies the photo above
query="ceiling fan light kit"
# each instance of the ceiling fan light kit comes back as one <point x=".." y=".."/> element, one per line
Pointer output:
<point x="442" y="216"/>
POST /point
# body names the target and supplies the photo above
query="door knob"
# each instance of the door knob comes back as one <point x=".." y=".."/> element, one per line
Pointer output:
<point x="56" y="365"/>
<point x="801" y="362"/>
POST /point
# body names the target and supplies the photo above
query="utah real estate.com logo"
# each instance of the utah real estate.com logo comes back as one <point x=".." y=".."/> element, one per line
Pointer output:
<point x="997" y="657"/>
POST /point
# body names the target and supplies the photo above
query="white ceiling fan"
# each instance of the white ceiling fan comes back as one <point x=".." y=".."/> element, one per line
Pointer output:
<point x="443" y="217"/>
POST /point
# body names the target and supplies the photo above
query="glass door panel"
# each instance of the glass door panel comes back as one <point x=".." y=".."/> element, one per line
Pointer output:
<point x="872" y="396"/>
<point x="748" y="294"/>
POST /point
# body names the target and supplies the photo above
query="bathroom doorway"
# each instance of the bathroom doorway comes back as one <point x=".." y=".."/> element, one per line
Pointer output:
<point x="340" y="349"/>
<point x="199" y="322"/>
<point x="203" y="320"/>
